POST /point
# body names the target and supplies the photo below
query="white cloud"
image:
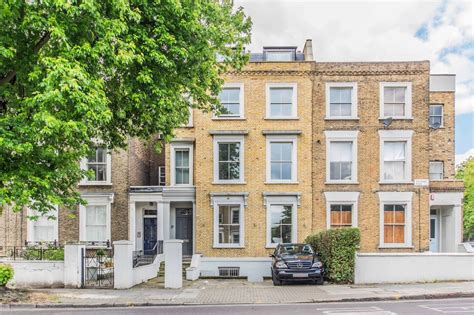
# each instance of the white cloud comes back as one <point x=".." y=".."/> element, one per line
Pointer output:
<point x="374" y="30"/>
<point x="459" y="158"/>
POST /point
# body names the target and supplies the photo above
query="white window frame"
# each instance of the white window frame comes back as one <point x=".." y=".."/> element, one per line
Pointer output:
<point x="404" y="198"/>
<point x="342" y="198"/>
<point x="294" y="100"/>
<point x="354" y="103"/>
<point x="442" y="114"/>
<point x="96" y="200"/>
<point x="31" y="225"/>
<point x="395" y="136"/>
<point x="342" y="136"/>
<point x="408" y="99"/>
<point x="283" y="200"/>
<point x="181" y="146"/>
<point x="161" y="171"/>
<point x="294" y="158"/>
<point x="442" y="169"/>
<point x="292" y="55"/>
<point x="229" y="200"/>
<point x="108" y="169"/>
<point x="241" y="103"/>
<point x="229" y="139"/>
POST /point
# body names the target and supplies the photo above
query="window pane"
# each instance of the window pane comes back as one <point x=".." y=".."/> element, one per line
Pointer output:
<point x="231" y="109"/>
<point x="286" y="171"/>
<point x="101" y="173"/>
<point x="286" y="149"/>
<point x="394" y="170"/>
<point x="234" y="151"/>
<point x="279" y="55"/>
<point x="230" y="95"/>
<point x="281" y="95"/>
<point x="101" y="153"/>
<point x="399" y="94"/>
<point x="345" y="110"/>
<point x="223" y="152"/>
<point x="394" y="151"/>
<point x="285" y="110"/>
<point x="389" y="95"/>
<point x="340" y="151"/>
<point x="346" y="170"/>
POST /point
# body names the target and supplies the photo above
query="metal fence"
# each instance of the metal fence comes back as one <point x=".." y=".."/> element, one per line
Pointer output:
<point x="98" y="267"/>
<point x="146" y="257"/>
<point x="35" y="251"/>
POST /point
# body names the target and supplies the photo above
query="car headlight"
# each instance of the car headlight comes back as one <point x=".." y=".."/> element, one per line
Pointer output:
<point x="280" y="265"/>
<point x="317" y="264"/>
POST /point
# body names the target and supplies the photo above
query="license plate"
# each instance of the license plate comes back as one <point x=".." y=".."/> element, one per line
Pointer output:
<point x="300" y="275"/>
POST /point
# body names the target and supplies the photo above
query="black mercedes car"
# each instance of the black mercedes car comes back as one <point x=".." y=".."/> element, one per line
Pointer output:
<point x="296" y="262"/>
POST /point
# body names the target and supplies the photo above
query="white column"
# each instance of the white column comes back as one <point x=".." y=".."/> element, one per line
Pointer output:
<point x="160" y="220"/>
<point x="163" y="220"/>
<point x="73" y="265"/>
<point x="173" y="251"/>
<point x="132" y="219"/>
<point x="457" y="213"/>
<point x="123" y="264"/>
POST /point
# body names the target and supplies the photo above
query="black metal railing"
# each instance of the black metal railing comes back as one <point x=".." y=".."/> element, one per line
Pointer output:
<point x="35" y="252"/>
<point x="146" y="257"/>
<point x="97" y="267"/>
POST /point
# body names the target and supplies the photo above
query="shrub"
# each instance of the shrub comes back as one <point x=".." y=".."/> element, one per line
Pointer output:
<point x="54" y="254"/>
<point x="6" y="274"/>
<point x="337" y="248"/>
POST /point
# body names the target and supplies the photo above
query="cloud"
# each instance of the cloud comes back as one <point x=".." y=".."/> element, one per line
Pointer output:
<point x="459" y="158"/>
<point x="439" y="31"/>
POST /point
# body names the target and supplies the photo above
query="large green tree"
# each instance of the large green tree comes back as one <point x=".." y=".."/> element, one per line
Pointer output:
<point x="466" y="172"/>
<point x="72" y="71"/>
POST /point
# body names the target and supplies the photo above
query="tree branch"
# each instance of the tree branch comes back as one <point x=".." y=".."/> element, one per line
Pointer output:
<point x="10" y="75"/>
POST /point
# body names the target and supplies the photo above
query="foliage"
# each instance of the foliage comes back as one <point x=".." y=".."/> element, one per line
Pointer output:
<point x="39" y="253"/>
<point x="337" y="248"/>
<point x="6" y="274"/>
<point x="73" y="72"/>
<point x="466" y="172"/>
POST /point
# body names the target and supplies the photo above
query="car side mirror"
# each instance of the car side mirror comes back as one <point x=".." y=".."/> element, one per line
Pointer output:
<point x="317" y="254"/>
<point x="271" y="255"/>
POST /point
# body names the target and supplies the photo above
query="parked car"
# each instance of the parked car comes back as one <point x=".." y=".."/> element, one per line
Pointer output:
<point x="296" y="262"/>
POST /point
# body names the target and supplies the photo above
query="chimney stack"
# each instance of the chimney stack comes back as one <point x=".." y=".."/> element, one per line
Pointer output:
<point x="308" y="50"/>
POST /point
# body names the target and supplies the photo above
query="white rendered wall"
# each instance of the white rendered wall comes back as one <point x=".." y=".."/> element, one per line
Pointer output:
<point x="173" y="252"/>
<point x="37" y="274"/>
<point x="254" y="268"/>
<point x="413" y="267"/>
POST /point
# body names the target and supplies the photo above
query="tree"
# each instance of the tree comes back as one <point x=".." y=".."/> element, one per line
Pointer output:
<point x="466" y="172"/>
<point x="72" y="71"/>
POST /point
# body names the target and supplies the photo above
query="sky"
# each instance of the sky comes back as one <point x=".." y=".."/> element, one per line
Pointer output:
<point x="440" y="31"/>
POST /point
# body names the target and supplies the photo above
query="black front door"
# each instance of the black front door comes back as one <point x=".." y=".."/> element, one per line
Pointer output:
<point x="184" y="229"/>
<point x="149" y="233"/>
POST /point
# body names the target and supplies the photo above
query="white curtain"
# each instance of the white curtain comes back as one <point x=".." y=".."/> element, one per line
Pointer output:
<point x="340" y="152"/>
<point x="394" y="151"/>
<point x="96" y="223"/>
<point x="44" y="229"/>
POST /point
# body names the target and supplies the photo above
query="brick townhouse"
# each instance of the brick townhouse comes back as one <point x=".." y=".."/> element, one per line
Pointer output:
<point x="301" y="147"/>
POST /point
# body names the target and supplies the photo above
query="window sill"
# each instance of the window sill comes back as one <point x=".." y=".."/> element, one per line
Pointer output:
<point x="281" y="118"/>
<point x="395" y="182"/>
<point x="228" y="246"/>
<point x="281" y="183"/>
<point x="341" y="118"/>
<point x="229" y="118"/>
<point x="342" y="183"/>
<point x="229" y="183"/>
<point x="271" y="246"/>
<point x="95" y="184"/>
<point x="396" y="118"/>
<point x="395" y="246"/>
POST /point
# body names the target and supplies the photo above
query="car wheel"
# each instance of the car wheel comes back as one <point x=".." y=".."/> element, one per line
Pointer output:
<point x="320" y="281"/>
<point x="275" y="280"/>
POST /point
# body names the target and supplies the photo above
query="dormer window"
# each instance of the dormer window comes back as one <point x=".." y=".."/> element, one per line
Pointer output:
<point x="279" y="54"/>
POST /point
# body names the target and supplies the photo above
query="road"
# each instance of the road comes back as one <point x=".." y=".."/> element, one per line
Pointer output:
<point x="445" y="306"/>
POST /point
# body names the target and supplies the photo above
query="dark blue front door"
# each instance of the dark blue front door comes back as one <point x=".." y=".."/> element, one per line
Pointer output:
<point x="149" y="233"/>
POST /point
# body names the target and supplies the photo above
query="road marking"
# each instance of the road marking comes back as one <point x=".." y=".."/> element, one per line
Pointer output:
<point x="451" y="308"/>
<point x="355" y="310"/>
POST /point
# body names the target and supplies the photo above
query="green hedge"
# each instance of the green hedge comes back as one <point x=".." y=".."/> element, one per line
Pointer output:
<point x="337" y="248"/>
<point x="6" y="274"/>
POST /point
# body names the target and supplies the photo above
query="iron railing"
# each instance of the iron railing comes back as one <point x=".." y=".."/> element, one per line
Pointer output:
<point x="97" y="267"/>
<point x="146" y="257"/>
<point x="35" y="252"/>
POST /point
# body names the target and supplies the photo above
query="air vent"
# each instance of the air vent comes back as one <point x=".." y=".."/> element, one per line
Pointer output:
<point x="229" y="271"/>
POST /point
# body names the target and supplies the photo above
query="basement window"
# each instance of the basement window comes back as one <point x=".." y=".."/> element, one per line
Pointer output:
<point x="229" y="271"/>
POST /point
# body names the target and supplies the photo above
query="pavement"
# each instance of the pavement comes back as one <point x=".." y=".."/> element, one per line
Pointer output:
<point x="222" y="291"/>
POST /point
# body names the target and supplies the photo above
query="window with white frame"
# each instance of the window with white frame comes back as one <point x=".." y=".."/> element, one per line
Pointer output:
<point x="341" y="209"/>
<point x="436" y="116"/>
<point x="228" y="159"/>
<point x="44" y="228"/>
<point x="281" y="224"/>
<point x="161" y="176"/>
<point x="228" y="219"/>
<point x="99" y="163"/>
<point x="281" y="159"/>
<point x="95" y="217"/>
<point x="341" y="100"/>
<point x="232" y="100"/>
<point x="181" y="163"/>
<point x="395" y="219"/>
<point x="395" y="165"/>
<point x="281" y="100"/>
<point x="395" y="100"/>
<point x="341" y="155"/>
<point x="436" y="170"/>
<point x="279" y="55"/>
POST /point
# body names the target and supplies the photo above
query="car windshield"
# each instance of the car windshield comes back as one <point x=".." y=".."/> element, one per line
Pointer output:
<point x="296" y="249"/>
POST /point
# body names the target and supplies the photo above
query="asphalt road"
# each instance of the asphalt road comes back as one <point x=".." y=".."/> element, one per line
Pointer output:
<point x="445" y="306"/>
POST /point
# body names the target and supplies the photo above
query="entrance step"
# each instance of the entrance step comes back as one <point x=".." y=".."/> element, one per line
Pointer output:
<point x="161" y="272"/>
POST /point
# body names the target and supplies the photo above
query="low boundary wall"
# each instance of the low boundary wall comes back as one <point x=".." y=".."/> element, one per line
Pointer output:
<point x="413" y="267"/>
<point x="254" y="268"/>
<point x="37" y="273"/>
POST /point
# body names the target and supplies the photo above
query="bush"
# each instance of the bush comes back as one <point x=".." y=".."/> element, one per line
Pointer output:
<point x="6" y="274"/>
<point x="54" y="254"/>
<point x="337" y="248"/>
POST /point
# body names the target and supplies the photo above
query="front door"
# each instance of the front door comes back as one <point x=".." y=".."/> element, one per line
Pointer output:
<point x="184" y="229"/>
<point x="149" y="233"/>
<point x="434" y="233"/>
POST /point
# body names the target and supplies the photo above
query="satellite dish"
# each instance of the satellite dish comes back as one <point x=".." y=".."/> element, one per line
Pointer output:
<point x="436" y="125"/>
<point x="387" y="121"/>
